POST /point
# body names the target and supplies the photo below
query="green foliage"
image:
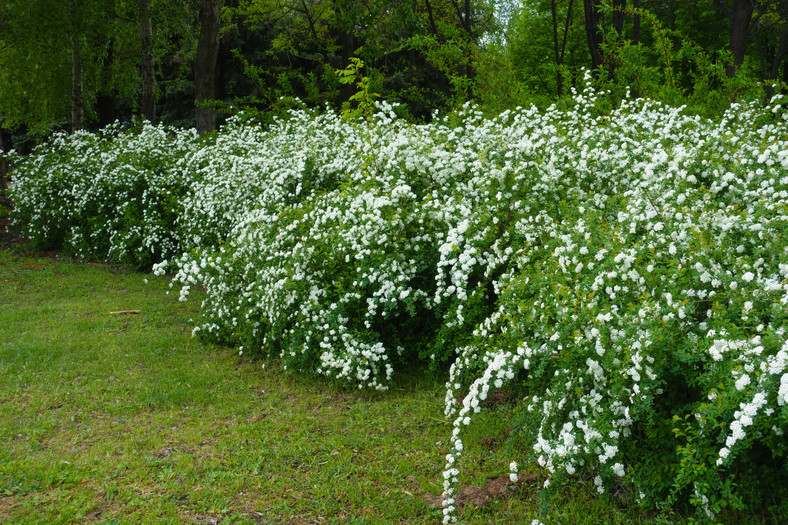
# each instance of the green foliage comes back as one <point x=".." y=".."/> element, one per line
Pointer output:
<point x="622" y="270"/>
<point x="679" y="55"/>
<point x="364" y="98"/>
<point x="36" y="61"/>
<point x="36" y="58"/>
<point x="669" y="66"/>
<point x="531" y="49"/>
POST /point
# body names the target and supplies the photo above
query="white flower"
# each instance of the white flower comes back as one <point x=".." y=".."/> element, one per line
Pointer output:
<point x="742" y="382"/>
<point x="749" y="276"/>
<point x="599" y="484"/>
<point x="748" y="306"/>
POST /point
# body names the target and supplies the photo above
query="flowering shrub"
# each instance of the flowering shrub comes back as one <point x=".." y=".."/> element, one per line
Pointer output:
<point x="625" y="272"/>
<point x="114" y="195"/>
<point x="642" y="312"/>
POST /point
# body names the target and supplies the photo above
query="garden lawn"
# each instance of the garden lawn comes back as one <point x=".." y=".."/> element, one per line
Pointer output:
<point x="125" y="418"/>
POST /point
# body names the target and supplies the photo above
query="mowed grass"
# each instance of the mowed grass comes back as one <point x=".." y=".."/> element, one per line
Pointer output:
<point x="125" y="418"/>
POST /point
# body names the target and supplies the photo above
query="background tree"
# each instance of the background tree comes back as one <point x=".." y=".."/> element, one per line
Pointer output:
<point x="58" y="58"/>
<point x="205" y="63"/>
<point x="593" y="24"/>
<point x="65" y="65"/>
<point x="148" y="68"/>
<point x="546" y="48"/>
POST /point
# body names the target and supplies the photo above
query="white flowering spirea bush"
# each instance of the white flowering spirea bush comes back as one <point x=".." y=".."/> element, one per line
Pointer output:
<point x="642" y="312"/>
<point x="113" y="195"/>
<point x="626" y="273"/>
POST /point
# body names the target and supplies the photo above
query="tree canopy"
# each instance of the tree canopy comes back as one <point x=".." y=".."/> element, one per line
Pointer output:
<point x="86" y="63"/>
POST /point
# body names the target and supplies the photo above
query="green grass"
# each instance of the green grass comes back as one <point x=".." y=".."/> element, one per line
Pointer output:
<point x="108" y="418"/>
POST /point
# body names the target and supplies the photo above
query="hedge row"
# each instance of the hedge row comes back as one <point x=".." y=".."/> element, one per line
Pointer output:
<point x="625" y="272"/>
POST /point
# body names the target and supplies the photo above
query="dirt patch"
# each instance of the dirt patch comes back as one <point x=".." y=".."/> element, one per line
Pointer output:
<point x="10" y="236"/>
<point x="496" y="487"/>
<point x="499" y="397"/>
<point x="493" y="443"/>
<point x="8" y="504"/>
<point x="165" y="452"/>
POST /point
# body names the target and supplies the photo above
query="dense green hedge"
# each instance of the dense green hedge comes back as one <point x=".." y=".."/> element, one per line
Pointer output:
<point x="626" y="272"/>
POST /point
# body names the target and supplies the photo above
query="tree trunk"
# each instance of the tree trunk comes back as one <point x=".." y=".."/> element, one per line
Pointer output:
<point x="205" y="64"/>
<point x="618" y="16"/>
<point x="559" y="81"/>
<point x="431" y="18"/>
<point x="566" y="29"/>
<point x="740" y="17"/>
<point x="466" y="22"/>
<point x="774" y="58"/>
<point x="782" y="46"/>
<point x="618" y="25"/>
<point x="593" y="19"/>
<point x="635" y="37"/>
<point x="77" y="103"/>
<point x="148" y="74"/>
<point x="469" y="70"/>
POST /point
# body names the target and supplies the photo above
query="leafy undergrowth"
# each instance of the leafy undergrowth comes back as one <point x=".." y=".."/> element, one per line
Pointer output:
<point x="125" y="418"/>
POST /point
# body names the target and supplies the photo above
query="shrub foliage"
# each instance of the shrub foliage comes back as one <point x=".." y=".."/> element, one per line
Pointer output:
<point x="625" y="271"/>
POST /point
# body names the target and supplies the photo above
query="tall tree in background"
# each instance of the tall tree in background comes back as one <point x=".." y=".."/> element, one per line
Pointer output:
<point x="740" y="15"/>
<point x="58" y="58"/>
<point x="148" y="70"/>
<point x="69" y="64"/>
<point x="420" y="53"/>
<point x="205" y="64"/>
<point x="769" y="31"/>
<point x="593" y="18"/>
<point x="779" y="50"/>
<point x="560" y="49"/>
<point x="548" y="46"/>
<point x="77" y="70"/>
<point x="619" y="6"/>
